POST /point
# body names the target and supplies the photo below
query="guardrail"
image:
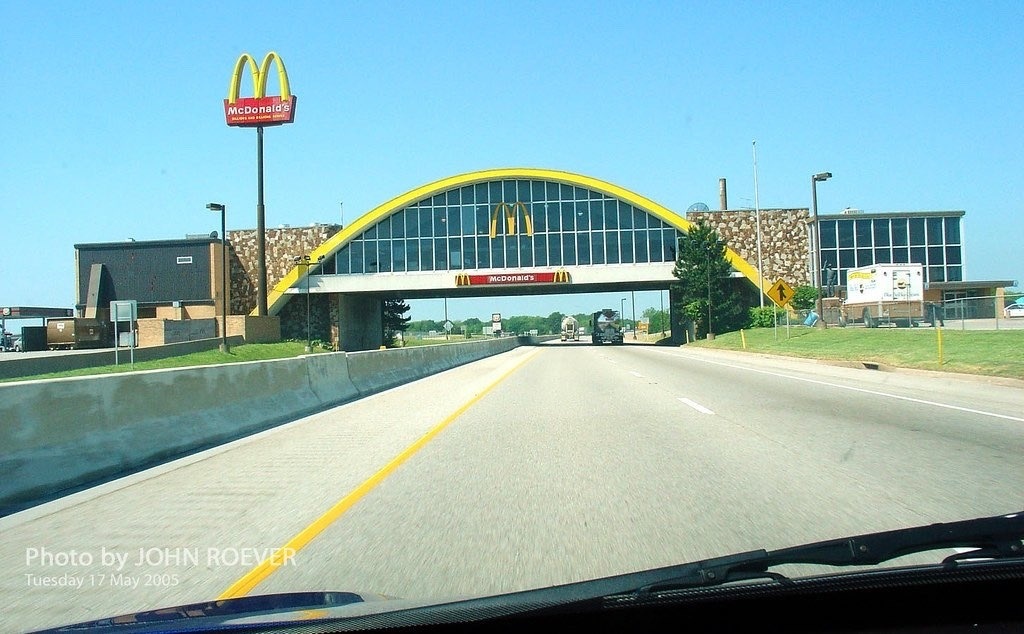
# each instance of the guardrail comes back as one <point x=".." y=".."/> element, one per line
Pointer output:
<point x="60" y="435"/>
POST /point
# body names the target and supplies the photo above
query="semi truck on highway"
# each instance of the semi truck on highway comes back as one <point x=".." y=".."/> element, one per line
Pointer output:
<point x="606" y="327"/>
<point x="885" y="293"/>
<point x="570" y="329"/>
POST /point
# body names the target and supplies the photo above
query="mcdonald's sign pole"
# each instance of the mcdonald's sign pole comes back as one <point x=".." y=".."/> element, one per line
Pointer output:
<point x="261" y="229"/>
<point x="258" y="112"/>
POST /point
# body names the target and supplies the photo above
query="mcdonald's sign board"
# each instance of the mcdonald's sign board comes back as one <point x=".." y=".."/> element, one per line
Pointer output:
<point x="541" y="277"/>
<point x="259" y="110"/>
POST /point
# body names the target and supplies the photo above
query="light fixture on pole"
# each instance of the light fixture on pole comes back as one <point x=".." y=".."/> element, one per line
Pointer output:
<point x="822" y="176"/>
<point x="223" y="209"/>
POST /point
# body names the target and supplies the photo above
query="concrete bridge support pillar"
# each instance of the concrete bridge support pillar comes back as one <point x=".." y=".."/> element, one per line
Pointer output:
<point x="360" y="322"/>
<point x="681" y="332"/>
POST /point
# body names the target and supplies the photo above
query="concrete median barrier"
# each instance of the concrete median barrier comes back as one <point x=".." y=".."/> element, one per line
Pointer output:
<point x="376" y="370"/>
<point x="59" y="435"/>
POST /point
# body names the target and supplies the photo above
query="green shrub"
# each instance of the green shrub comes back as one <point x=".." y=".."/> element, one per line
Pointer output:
<point x="764" y="317"/>
<point x="804" y="297"/>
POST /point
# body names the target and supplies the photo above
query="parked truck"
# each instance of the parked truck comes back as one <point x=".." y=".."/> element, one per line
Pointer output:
<point x="885" y="294"/>
<point x="570" y="329"/>
<point x="606" y="327"/>
<point x="67" y="333"/>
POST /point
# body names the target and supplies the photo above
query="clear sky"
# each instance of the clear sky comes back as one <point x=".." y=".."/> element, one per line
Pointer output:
<point x="113" y="123"/>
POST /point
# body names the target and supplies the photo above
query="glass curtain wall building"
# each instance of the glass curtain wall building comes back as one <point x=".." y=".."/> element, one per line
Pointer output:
<point x="509" y="224"/>
<point x="933" y="239"/>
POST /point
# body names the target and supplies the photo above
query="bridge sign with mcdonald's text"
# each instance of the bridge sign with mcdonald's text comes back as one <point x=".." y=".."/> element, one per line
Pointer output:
<point x="544" y="277"/>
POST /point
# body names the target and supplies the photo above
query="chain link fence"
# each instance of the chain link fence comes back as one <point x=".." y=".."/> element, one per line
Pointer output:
<point x="974" y="313"/>
<point x="966" y="313"/>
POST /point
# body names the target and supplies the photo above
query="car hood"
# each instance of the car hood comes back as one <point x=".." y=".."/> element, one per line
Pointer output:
<point x="231" y="614"/>
<point x="997" y="539"/>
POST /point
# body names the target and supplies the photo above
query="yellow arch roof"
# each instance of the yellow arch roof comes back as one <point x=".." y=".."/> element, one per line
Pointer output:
<point x="276" y="299"/>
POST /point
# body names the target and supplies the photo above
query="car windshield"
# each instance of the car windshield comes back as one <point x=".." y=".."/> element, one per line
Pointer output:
<point x="433" y="301"/>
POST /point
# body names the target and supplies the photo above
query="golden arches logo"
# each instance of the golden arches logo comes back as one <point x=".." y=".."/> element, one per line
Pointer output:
<point x="511" y="212"/>
<point x="462" y="279"/>
<point x="561" y="277"/>
<point x="260" y="109"/>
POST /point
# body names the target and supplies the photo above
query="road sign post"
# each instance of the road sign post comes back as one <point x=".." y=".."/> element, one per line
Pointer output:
<point x="781" y="292"/>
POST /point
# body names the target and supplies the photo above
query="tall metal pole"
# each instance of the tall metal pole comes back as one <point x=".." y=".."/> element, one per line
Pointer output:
<point x="309" y="342"/>
<point x="632" y="295"/>
<point x="817" y="242"/>
<point x="708" y="269"/>
<point x="661" y="296"/>
<point x="815" y="269"/>
<point x="261" y="229"/>
<point x="223" y="209"/>
<point x="757" y="222"/>
<point x="224" y="278"/>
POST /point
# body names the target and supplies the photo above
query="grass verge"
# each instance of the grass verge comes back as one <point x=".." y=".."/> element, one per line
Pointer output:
<point x="987" y="352"/>
<point x="237" y="354"/>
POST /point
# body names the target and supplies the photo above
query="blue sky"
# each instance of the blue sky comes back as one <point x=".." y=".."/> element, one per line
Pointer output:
<point x="113" y="126"/>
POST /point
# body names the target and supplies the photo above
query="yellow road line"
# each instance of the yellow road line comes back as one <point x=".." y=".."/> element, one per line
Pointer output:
<point x="283" y="554"/>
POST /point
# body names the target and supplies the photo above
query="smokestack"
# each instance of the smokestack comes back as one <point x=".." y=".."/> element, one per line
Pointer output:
<point x="723" y="201"/>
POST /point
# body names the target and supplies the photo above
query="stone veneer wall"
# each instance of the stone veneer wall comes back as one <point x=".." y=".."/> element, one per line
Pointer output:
<point x="323" y="314"/>
<point x="784" y="242"/>
<point x="282" y="246"/>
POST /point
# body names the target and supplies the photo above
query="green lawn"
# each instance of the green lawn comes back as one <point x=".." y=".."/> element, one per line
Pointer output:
<point x="988" y="352"/>
<point x="237" y="354"/>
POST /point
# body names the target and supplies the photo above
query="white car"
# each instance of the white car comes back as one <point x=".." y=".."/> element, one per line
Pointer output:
<point x="1014" y="310"/>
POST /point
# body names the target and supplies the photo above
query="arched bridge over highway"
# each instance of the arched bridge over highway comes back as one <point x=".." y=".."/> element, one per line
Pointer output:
<point x="493" y="232"/>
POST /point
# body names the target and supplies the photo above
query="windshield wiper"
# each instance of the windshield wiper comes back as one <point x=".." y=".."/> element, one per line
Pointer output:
<point x="987" y="538"/>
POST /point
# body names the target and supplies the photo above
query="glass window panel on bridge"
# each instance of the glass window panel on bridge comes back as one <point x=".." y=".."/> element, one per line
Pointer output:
<point x="534" y="224"/>
<point x="626" y="246"/>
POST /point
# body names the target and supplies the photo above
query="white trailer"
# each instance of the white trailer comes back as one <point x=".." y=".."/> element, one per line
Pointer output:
<point x="885" y="294"/>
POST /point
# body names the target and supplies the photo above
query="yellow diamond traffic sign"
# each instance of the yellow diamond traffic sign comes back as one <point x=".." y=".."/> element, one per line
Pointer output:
<point x="780" y="292"/>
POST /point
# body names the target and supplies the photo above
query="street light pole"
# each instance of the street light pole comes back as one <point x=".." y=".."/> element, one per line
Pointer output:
<point x="632" y="295"/>
<point x="757" y="223"/>
<point x="299" y="261"/>
<point x="223" y="272"/>
<point x="822" y="176"/>
<point x="304" y="260"/>
<point x="663" y="319"/>
<point x="708" y="269"/>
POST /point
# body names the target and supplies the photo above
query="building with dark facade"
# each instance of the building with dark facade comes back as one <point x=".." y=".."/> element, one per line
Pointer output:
<point x="933" y="239"/>
<point x="153" y="273"/>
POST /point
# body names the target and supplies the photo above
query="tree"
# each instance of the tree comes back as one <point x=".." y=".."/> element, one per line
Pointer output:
<point x="394" y="320"/>
<point x="554" y="323"/>
<point x="474" y="326"/>
<point x="706" y="294"/>
<point x="804" y="297"/>
<point x="657" y="319"/>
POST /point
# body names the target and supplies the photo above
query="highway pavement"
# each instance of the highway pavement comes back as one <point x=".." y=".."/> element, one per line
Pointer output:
<point x="540" y="466"/>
